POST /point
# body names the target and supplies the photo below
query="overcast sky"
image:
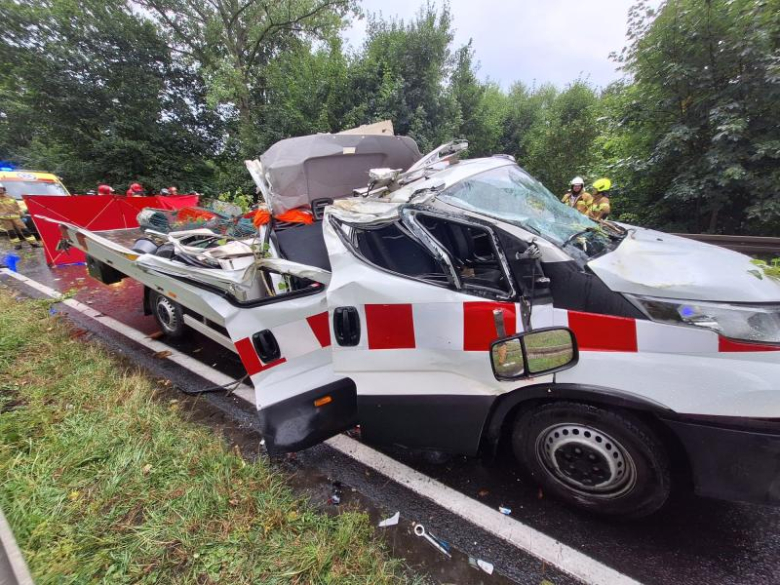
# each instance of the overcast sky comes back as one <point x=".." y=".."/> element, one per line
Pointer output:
<point x="528" y="40"/>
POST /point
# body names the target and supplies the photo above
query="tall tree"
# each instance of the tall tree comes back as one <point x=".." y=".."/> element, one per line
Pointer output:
<point x="89" y="90"/>
<point x="706" y="95"/>
<point x="232" y="42"/>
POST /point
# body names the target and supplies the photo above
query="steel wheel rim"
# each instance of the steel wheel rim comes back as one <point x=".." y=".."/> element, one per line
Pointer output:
<point x="586" y="460"/>
<point x="166" y="314"/>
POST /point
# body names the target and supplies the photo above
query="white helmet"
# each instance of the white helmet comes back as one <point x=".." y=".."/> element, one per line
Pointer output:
<point x="577" y="181"/>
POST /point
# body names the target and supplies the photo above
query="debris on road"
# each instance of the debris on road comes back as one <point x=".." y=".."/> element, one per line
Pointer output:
<point x="481" y="565"/>
<point x="391" y="521"/>
<point x="11" y="261"/>
<point x="335" y="497"/>
<point x="419" y="530"/>
<point x="482" y="493"/>
<point x="163" y="354"/>
<point x="505" y="511"/>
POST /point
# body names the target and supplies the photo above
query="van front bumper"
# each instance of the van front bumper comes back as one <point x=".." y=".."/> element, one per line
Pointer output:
<point x="733" y="459"/>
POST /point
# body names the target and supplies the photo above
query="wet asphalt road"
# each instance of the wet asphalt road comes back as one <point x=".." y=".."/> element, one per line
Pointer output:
<point x="693" y="540"/>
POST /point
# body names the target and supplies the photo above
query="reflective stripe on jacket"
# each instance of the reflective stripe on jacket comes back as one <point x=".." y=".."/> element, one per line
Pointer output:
<point x="581" y="202"/>
<point x="599" y="207"/>
<point x="9" y="208"/>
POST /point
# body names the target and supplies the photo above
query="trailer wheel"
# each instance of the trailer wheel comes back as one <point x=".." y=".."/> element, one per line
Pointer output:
<point x="168" y="315"/>
<point x="598" y="460"/>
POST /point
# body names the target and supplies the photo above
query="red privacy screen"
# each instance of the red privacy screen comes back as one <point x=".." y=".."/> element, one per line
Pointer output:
<point x="95" y="213"/>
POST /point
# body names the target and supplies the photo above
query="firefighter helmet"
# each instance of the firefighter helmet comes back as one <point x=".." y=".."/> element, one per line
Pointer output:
<point x="602" y="185"/>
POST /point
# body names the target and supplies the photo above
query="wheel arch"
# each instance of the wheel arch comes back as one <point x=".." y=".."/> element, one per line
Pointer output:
<point x="509" y="406"/>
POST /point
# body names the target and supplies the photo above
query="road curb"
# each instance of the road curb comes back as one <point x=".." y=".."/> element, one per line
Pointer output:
<point x="13" y="568"/>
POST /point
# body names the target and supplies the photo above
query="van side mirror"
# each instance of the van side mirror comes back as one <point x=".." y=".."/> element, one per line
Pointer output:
<point x="534" y="353"/>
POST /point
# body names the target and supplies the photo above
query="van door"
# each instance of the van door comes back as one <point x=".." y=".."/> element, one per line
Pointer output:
<point x="285" y="346"/>
<point x="418" y="350"/>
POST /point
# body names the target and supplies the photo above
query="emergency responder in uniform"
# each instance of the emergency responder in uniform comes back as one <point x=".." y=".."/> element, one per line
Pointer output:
<point x="599" y="207"/>
<point x="577" y="197"/>
<point x="105" y="190"/>
<point x="136" y="190"/>
<point x="11" y="221"/>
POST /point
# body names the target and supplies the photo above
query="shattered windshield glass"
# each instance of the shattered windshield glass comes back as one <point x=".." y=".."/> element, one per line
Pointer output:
<point x="512" y="195"/>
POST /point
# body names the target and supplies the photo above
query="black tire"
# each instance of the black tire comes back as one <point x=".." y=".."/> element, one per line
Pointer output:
<point x="598" y="460"/>
<point x="168" y="315"/>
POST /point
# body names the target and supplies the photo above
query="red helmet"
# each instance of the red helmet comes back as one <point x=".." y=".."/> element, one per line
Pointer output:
<point x="136" y="187"/>
<point x="104" y="190"/>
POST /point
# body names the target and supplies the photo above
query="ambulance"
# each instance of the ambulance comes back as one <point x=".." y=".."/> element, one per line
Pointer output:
<point x="457" y="306"/>
<point x="19" y="183"/>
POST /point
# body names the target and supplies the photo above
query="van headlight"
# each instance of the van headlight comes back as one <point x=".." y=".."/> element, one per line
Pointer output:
<point x="758" y="323"/>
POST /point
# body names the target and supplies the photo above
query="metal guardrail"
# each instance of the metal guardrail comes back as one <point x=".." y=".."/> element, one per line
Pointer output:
<point x="751" y="245"/>
<point x="13" y="569"/>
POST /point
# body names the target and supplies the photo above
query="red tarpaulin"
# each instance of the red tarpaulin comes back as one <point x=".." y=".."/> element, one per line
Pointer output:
<point x="95" y="213"/>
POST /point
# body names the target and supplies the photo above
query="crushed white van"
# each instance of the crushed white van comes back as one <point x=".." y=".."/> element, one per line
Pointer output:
<point x="458" y="304"/>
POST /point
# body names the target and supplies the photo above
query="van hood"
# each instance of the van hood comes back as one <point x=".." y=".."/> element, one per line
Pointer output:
<point x="656" y="264"/>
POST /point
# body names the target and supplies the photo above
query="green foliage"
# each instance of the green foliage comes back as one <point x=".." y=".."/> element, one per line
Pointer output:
<point x="89" y="91"/>
<point x="237" y="197"/>
<point x="770" y="269"/>
<point x="183" y="91"/>
<point x="106" y="479"/>
<point x="698" y="138"/>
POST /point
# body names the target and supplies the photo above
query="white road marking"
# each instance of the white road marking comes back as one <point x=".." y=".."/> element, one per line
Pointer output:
<point x="512" y="531"/>
<point x="217" y="378"/>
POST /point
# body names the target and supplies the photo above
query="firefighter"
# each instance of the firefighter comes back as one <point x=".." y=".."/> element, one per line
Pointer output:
<point x="11" y="221"/>
<point x="105" y="190"/>
<point x="599" y="207"/>
<point x="135" y="190"/>
<point x="577" y="197"/>
<point x="173" y="190"/>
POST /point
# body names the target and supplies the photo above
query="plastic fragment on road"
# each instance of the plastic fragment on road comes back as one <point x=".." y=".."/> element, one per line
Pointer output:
<point x="391" y="521"/>
<point x="505" y="511"/>
<point x="485" y="566"/>
<point x="481" y="565"/>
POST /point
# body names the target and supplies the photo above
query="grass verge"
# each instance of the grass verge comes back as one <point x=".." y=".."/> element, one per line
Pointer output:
<point x="101" y="482"/>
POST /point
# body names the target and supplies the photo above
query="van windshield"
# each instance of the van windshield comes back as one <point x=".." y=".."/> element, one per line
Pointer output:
<point x="18" y="188"/>
<point x="510" y="194"/>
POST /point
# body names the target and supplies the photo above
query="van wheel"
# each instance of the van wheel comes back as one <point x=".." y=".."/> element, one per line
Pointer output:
<point x="596" y="459"/>
<point x="168" y="315"/>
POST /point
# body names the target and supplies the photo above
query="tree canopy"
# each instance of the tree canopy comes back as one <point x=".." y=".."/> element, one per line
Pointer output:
<point x="181" y="91"/>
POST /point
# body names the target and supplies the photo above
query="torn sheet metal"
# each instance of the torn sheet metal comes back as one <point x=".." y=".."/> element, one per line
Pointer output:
<point x="328" y="166"/>
<point x="295" y="269"/>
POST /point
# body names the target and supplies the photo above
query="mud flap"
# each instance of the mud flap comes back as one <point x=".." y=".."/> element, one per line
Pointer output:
<point x="309" y="418"/>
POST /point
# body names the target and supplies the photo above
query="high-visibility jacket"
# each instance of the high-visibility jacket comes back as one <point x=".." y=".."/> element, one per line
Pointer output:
<point x="599" y="207"/>
<point x="581" y="202"/>
<point x="9" y="208"/>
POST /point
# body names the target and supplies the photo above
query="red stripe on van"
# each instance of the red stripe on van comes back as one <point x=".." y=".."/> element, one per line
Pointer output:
<point x="603" y="332"/>
<point x="320" y="328"/>
<point x="729" y="345"/>
<point x="479" y="327"/>
<point x="390" y="326"/>
<point x="248" y="355"/>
